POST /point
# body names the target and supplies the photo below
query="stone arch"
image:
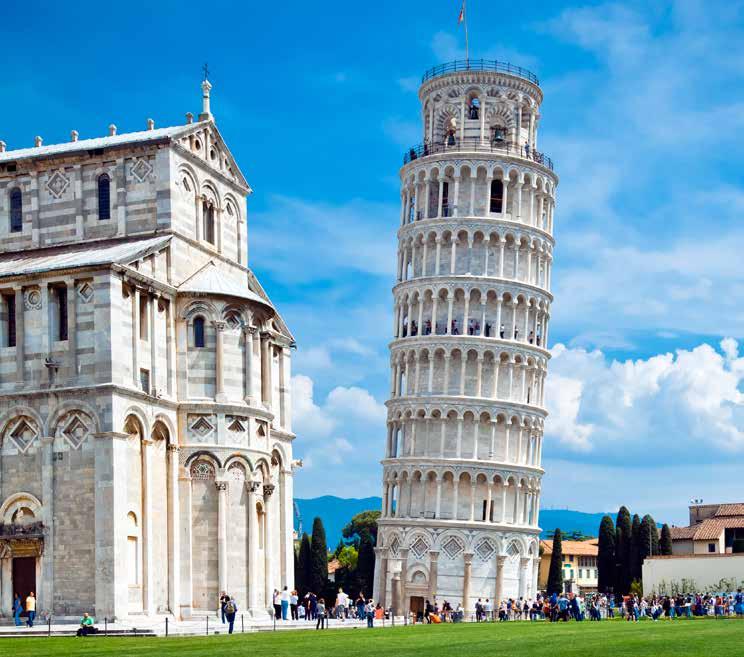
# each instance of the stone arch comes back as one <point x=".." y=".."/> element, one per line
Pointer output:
<point x="132" y="414"/>
<point x="22" y="428"/>
<point x="203" y="453"/>
<point x="199" y="307"/>
<point x="16" y="502"/>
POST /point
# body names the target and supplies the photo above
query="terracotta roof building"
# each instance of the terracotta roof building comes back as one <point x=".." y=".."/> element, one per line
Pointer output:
<point x="579" y="565"/>
<point x="713" y="529"/>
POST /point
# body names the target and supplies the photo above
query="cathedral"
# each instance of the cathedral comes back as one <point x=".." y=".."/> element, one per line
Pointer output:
<point x="145" y="435"/>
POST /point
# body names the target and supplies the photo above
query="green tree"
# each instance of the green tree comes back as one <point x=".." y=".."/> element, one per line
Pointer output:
<point x="366" y="565"/>
<point x="555" y="574"/>
<point x="606" y="555"/>
<point x="304" y="559"/>
<point x="361" y="524"/>
<point x="623" y="539"/>
<point x="635" y="548"/>
<point x="665" y="545"/>
<point x="648" y="542"/>
<point x="347" y="557"/>
<point x="318" y="558"/>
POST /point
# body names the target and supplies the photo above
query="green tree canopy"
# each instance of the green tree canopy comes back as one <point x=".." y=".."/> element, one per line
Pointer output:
<point x="555" y="574"/>
<point x="366" y="565"/>
<point x="635" y="548"/>
<point x="606" y="555"/>
<point x="623" y="545"/>
<point x="318" y="558"/>
<point x="665" y="545"/>
<point x="304" y="560"/>
<point x="361" y="524"/>
<point x="348" y="556"/>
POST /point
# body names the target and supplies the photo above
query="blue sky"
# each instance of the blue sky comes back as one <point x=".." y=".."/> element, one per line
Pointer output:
<point x="643" y="115"/>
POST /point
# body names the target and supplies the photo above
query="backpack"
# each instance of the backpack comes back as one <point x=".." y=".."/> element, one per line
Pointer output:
<point x="230" y="607"/>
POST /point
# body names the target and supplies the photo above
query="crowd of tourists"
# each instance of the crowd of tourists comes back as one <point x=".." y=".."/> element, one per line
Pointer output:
<point x="592" y="607"/>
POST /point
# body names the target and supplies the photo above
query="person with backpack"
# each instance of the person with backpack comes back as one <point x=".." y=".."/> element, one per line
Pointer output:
<point x="231" y="608"/>
<point x="320" y="612"/>
<point x="223" y="601"/>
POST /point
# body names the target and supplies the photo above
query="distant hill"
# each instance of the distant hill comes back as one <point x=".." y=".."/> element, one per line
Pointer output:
<point x="337" y="511"/>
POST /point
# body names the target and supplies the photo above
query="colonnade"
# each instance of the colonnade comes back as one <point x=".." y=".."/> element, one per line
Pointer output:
<point x="429" y="194"/>
<point x="471" y="313"/>
<point x="497" y="498"/>
<point x="473" y="253"/>
<point x="501" y="438"/>
<point x="468" y="373"/>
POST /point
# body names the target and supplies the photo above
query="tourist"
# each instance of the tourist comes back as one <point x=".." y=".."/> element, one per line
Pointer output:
<point x="370" y="609"/>
<point x="285" y="604"/>
<point x="320" y="613"/>
<point x="277" y="602"/>
<point x="293" y="600"/>
<point x="312" y="606"/>
<point x="31" y="609"/>
<point x="502" y="331"/>
<point x="738" y="603"/>
<point x="231" y="608"/>
<point x="86" y="626"/>
<point x="224" y="598"/>
<point x="17" y="609"/>
<point x="361" y="607"/>
<point x="341" y="601"/>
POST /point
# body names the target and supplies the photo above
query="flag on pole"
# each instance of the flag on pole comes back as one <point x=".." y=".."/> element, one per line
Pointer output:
<point x="461" y="17"/>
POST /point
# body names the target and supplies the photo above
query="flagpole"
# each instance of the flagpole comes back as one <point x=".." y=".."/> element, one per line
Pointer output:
<point x="465" y="20"/>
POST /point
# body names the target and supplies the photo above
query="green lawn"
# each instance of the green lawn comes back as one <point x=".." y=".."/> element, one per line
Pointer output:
<point x="616" y="639"/>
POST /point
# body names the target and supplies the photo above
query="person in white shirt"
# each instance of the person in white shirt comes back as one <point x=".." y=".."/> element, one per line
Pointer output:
<point x="342" y="600"/>
<point x="285" y="604"/>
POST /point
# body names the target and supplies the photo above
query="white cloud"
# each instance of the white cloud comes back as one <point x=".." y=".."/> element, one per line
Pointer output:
<point x="670" y="408"/>
<point x="320" y="241"/>
<point x="340" y="439"/>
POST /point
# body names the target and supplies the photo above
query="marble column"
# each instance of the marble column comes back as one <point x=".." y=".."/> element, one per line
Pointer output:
<point x="524" y="563"/>
<point x="403" y="578"/>
<point x="500" y="562"/>
<point x="222" y="564"/>
<point x="186" y="601"/>
<point x="219" y="361"/>
<point x="468" y="561"/>
<point x="381" y="561"/>
<point x="396" y="602"/>
<point x="148" y="566"/>
<point x="46" y="594"/>
<point x="72" y="363"/>
<point x="174" y="533"/>
<point x="20" y="335"/>
<point x="253" y="584"/>
<point x="268" y="489"/>
<point x="433" y="574"/>
<point x="248" y="332"/>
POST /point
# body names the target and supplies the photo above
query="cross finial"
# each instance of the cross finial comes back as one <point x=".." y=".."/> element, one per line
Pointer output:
<point x="205" y="68"/>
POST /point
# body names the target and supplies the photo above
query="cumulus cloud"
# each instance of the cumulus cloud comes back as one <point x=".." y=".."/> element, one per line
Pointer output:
<point x="340" y="439"/>
<point x="673" y="408"/>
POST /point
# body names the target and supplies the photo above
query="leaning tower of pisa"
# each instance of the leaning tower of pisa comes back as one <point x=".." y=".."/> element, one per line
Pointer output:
<point x="462" y="466"/>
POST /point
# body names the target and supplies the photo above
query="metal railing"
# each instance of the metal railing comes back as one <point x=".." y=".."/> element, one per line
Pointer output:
<point x="475" y="144"/>
<point x="480" y="65"/>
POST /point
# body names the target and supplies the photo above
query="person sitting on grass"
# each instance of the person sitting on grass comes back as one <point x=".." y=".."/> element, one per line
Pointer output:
<point x="86" y="625"/>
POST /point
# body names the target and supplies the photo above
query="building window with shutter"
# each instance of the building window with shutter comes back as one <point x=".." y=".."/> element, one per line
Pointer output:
<point x="16" y="210"/>
<point x="60" y="296"/>
<point x="104" y="197"/>
<point x="199" y="333"/>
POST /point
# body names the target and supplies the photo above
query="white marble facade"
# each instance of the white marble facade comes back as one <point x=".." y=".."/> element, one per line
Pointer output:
<point x="462" y="467"/>
<point x="145" y="434"/>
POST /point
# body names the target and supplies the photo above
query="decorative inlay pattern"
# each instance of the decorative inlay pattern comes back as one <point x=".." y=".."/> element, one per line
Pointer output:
<point x="75" y="431"/>
<point x="23" y="433"/>
<point x="32" y="299"/>
<point x="57" y="184"/>
<point x="485" y="550"/>
<point x="202" y="470"/>
<point x="141" y="169"/>
<point x="453" y="547"/>
<point x="85" y="292"/>
<point x="419" y="547"/>
<point x="201" y="426"/>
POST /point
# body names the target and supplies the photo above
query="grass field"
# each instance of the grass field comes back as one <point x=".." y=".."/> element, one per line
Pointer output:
<point x="523" y="639"/>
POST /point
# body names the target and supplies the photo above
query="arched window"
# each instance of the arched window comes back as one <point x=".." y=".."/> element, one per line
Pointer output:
<point x="208" y="214"/>
<point x="16" y="210"/>
<point x="104" y="197"/>
<point x="199" y="333"/>
<point x="497" y="196"/>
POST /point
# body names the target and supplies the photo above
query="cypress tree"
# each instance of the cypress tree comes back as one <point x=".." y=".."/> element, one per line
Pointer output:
<point x="366" y="565"/>
<point x="645" y="540"/>
<point x="635" y="548"/>
<point x="606" y="555"/>
<point x="302" y="574"/>
<point x="318" y="558"/>
<point x="654" y="531"/>
<point x="665" y="545"/>
<point x="623" y="537"/>
<point x="555" y="574"/>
